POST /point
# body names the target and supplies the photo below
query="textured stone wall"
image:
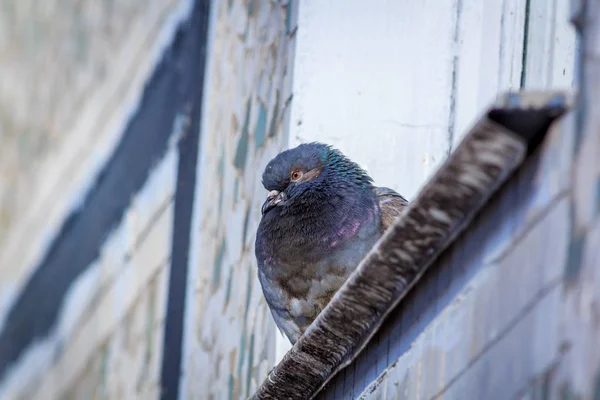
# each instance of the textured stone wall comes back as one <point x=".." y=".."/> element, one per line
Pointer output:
<point x="230" y="334"/>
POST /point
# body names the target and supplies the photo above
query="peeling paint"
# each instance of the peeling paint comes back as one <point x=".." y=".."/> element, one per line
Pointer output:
<point x="236" y="191"/>
<point x="230" y="385"/>
<point x="250" y="364"/>
<point x="218" y="264"/>
<point x="221" y="177"/>
<point x="221" y="165"/>
<point x="288" y="17"/>
<point x="261" y="126"/>
<point x="575" y="257"/>
<point x="241" y="153"/>
<point x="275" y="116"/>
<point x="245" y="104"/>
<point x="249" y="280"/>
<point x="242" y="355"/>
<point x="228" y="290"/>
<point x="246" y="225"/>
<point x="103" y="374"/>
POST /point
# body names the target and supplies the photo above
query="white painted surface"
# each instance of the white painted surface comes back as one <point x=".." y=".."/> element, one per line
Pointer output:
<point x="551" y="46"/>
<point x="489" y="57"/>
<point x="395" y="84"/>
<point x="371" y="79"/>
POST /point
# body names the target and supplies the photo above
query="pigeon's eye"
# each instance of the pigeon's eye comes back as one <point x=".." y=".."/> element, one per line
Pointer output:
<point x="296" y="175"/>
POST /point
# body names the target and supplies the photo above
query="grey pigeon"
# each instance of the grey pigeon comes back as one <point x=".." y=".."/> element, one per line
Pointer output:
<point x="321" y="217"/>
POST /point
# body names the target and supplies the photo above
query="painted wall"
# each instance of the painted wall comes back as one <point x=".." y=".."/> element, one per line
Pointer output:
<point x="100" y="130"/>
<point x="484" y="322"/>
<point x="129" y="199"/>
<point x="230" y="335"/>
<point x="397" y="94"/>
<point x="511" y="309"/>
<point x="88" y="57"/>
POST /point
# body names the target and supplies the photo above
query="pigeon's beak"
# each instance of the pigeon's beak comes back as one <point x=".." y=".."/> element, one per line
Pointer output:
<point x="275" y="197"/>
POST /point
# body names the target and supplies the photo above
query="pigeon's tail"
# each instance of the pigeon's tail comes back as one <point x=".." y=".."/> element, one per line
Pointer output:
<point x="391" y="204"/>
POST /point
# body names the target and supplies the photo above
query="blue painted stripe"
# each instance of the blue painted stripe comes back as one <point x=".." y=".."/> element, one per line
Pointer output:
<point x="193" y="44"/>
<point x="174" y="88"/>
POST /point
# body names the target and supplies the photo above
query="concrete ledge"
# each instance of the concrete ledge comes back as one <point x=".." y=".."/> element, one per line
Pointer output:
<point x="488" y="155"/>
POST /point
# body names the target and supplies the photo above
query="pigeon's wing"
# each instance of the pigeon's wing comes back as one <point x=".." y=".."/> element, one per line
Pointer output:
<point x="276" y="300"/>
<point x="391" y="204"/>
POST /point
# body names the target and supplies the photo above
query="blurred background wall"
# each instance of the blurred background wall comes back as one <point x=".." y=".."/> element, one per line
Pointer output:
<point x="133" y="136"/>
<point x="99" y="131"/>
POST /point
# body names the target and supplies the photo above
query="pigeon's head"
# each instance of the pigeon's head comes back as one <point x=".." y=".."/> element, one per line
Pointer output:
<point x="308" y="172"/>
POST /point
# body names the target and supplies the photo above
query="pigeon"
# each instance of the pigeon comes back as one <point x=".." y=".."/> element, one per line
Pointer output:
<point x="321" y="217"/>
